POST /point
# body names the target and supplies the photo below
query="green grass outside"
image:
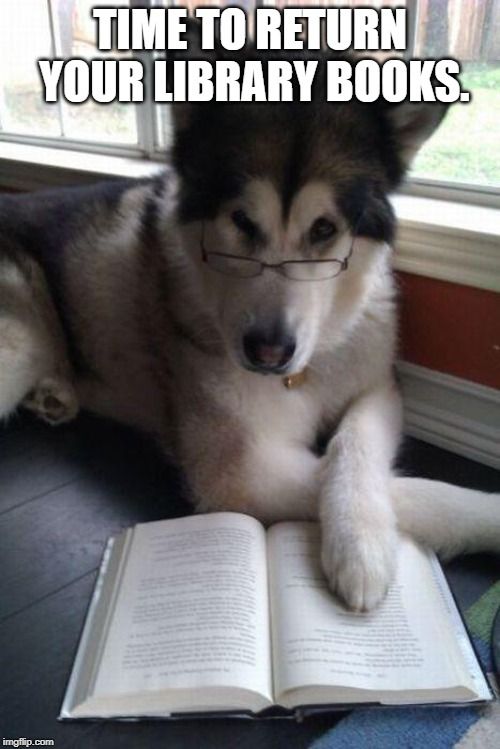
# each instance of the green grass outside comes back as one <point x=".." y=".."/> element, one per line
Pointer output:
<point x="466" y="148"/>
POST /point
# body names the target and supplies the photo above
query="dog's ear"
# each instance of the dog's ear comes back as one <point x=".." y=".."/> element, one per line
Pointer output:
<point x="412" y="124"/>
<point x="194" y="50"/>
<point x="181" y="111"/>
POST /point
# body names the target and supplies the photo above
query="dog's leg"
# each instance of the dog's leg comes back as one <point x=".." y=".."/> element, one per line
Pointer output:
<point x="358" y="523"/>
<point x="449" y="519"/>
<point x="34" y="369"/>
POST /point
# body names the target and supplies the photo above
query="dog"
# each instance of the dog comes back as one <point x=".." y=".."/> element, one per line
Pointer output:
<point x="240" y="307"/>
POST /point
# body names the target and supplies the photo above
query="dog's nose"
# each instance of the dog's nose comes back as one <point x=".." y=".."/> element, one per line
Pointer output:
<point x="268" y="352"/>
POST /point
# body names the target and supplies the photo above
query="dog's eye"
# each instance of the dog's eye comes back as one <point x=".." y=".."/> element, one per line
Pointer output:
<point x="321" y="230"/>
<point x="244" y="224"/>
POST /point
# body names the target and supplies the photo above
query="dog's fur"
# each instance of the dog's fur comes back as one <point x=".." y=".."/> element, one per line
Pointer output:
<point x="105" y="303"/>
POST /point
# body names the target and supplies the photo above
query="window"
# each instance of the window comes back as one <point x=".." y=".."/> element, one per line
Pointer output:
<point x="42" y="28"/>
<point x="464" y="151"/>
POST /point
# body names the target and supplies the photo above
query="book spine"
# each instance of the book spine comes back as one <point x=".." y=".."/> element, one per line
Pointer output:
<point x="109" y="597"/>
<point x="96" y="623"/>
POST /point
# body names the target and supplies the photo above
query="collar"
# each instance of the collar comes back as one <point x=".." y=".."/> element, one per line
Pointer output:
<point x="295" y="380"/>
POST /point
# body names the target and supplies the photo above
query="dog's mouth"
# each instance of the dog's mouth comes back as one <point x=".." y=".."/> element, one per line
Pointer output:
<point x="267" y="370"/>
<point x="265" y="356"/>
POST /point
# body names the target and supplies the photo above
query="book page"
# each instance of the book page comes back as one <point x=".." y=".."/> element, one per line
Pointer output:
<point x="404" y="645"/>
<point x="191" y="610"/>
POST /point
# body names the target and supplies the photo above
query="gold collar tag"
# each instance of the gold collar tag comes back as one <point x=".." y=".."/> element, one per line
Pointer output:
<point x="295" y="380"/>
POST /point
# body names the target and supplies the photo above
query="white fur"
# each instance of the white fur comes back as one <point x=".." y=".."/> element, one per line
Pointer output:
<point x="450" y="519"/>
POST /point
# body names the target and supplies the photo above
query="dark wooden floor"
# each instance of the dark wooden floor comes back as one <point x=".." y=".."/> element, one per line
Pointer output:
<point x="62" y="493"/>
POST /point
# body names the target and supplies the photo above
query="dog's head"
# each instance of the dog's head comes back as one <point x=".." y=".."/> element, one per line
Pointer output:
<point x="272" y="183"/>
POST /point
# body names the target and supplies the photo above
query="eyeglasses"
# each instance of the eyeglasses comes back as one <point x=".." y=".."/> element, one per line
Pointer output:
<point x="295" y="270"/>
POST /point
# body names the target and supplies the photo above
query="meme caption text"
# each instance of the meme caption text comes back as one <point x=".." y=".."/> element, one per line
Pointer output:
<point x="214" y="67"/>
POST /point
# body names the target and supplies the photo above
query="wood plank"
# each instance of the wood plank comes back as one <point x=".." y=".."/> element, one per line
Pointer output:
<point x="37" y="649"/>
<point x="59" y="536"/>
<point x="420" y="459"/>
<point x="215" y="734"/>
<point x="34" y="472"/>
<point x="18" y="433"/>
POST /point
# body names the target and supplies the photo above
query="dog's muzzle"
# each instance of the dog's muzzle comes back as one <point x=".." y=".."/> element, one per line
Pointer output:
<point x="268" y="353"/>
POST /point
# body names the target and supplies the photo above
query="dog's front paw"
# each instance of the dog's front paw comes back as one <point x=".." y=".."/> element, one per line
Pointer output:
<point x="360" y="569"/>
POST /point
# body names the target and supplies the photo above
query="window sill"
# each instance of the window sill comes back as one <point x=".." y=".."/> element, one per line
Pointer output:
<point x="26" y="167"/>
<point x="457" y="242"/>
<point x="441" y="239"/>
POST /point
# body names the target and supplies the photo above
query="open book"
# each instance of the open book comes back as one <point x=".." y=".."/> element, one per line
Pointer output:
<point x="211" y="613"/>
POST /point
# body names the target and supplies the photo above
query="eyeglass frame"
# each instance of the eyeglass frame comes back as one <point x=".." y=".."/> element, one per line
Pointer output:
<point x="278" y="267"/>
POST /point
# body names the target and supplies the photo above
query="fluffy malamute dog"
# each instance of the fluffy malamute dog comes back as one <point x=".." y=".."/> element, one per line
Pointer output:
<point x="240" y="306"/>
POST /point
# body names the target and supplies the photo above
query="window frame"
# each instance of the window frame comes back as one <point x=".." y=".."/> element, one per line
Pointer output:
<point x="146" y="115"/>
<point x="455" y="192"/>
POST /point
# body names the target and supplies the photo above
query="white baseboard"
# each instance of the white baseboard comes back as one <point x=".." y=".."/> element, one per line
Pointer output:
<point x="451" y="413"/>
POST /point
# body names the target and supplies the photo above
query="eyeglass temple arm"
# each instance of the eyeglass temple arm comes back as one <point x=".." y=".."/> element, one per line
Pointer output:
<point x="345" y="261"/>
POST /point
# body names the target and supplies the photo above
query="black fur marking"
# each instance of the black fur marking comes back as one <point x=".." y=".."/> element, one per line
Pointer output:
<point x="149" y="221"/>
<point x="356" y="148"/>
<point x="151" y="213"/>
<point x="367" y="210"/>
